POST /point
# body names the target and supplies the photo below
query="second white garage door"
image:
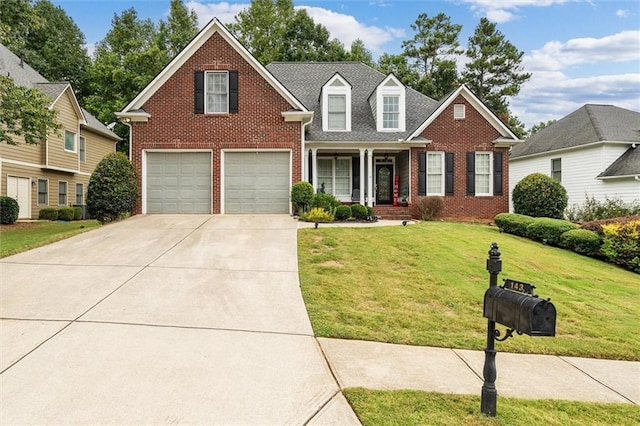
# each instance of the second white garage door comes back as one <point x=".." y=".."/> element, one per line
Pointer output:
<point x="256" y="182"/>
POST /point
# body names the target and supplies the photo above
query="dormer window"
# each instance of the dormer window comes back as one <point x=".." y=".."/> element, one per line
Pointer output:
<point x="336" y="105"/>
<point x="389" y="105"/>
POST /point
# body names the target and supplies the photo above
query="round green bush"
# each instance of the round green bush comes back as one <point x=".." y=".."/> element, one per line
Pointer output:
<point x="513" y="223"/>
<point x="48" y="213"/>
<point x="343" y="212"/>
<point x="77" y="213"/>
<point x="302" y="195"/>
<point x="549" y="230"/>
<point x="539" y="195"/>
<point x="581" y="241"/>
<point x="113" y="188"/>
<point x="325" y="201"/>
<point x="66" y="213"/>
<point x="359" y="211"/>
<point x="9" y="210"/>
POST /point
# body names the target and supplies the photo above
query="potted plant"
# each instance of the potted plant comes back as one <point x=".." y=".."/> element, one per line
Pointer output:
<point x="404" y="201"/>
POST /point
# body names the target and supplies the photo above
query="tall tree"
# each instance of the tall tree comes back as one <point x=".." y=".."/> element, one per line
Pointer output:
<point x="17" y="19"/>
<point x="494" y="71"/>
<point x="400" y="67"/>
<point x="541" y="125"/>
<point x="24" y="112"/>
<point x="358" y="52"/>
<point x="180" y="28"/>
<point x="431" y="48"/>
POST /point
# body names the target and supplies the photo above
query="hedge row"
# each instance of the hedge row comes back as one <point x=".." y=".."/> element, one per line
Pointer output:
<point x="63" y="213"/>
<point x="615" y="240"/>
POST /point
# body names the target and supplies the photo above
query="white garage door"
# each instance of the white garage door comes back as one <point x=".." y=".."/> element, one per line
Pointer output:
<point x="256" y="182"/>
<point x="179" y="182"/>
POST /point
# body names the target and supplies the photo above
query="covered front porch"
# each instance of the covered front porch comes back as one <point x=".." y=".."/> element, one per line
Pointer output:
<point x="374" y="175"/>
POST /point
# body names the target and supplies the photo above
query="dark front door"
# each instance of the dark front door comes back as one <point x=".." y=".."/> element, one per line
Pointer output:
<point x="384" y="184"/>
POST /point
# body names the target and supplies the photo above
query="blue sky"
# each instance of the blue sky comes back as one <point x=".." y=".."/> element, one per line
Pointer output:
<point x="579" y="51"/>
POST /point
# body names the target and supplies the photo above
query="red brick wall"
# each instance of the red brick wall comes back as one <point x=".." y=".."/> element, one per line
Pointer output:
<point x="257" y="125"/>
<point x="473" y="133"/>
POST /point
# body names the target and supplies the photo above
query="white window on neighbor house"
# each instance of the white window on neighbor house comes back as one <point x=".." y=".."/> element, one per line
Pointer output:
<point x="83" y="149"/>
<point x="435" y="173"/>
<point x="69" y="141"/>
<point x="79" y="193"/>
<point x="459" y="111"/>
<point x="43" y="192"/>
<point x="62" y="193"/>
<point x="389" y="107"/>
<point x="556" y="169"/>
<point x="217" y="92"/>
<point x="334" y="175"/>
<point x="336" y="105"/>
<point x="483" y="173"/>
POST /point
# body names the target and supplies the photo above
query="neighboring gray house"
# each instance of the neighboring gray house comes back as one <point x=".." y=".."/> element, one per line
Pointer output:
<point x="593" y="152"/>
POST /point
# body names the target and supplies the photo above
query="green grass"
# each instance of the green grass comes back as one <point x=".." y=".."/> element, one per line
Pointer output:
<point x="424" y="285"/>
<point x="405" y="408"/>
<point x="25" y="236"/>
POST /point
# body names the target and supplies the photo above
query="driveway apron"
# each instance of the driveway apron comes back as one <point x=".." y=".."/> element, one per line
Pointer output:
<point x="163" y="319"/>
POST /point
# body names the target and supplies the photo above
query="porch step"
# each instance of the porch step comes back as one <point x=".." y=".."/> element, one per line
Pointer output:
<point x="392" y="213"/>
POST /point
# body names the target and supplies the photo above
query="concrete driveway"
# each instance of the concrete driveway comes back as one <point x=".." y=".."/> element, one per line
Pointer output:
<point x="163" y="319"/>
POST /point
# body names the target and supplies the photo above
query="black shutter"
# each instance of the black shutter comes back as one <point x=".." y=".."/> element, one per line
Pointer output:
<point x="471" y="173"/>
<point x="422" y="173"/>
<point x="198" y="92"/>
<point x="448" y="173"/>
<point x="355" y="167"/>
<point x="233" y="92"/>
<point x="497" y="173"/>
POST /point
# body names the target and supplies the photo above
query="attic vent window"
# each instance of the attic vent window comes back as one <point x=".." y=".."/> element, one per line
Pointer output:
<point x="459" y="112"/>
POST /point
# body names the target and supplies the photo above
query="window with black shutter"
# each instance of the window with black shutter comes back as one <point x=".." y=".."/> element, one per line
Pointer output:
<point x="448" y="173"/>
<point x="422" y="173"/>
<point x="471" y="173"/>
<point x="497" y="173"/>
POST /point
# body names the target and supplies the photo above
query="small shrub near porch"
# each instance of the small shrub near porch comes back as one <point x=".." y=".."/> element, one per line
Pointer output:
<point x="428" y="208"/>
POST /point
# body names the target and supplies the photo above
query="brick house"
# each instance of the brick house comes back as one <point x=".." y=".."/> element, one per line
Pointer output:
<point x="217" y="132"/>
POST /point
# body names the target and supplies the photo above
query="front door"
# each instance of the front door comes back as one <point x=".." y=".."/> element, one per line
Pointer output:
<point x="20" y="189"/>
<point x="384" y="183"/>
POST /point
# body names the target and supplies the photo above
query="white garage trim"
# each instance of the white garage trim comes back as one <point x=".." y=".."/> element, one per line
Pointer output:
<point x="145" y="171"/>
<point x="222" y="171"/>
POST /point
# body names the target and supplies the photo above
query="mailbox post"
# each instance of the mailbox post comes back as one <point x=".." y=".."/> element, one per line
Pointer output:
<point x="489" y="393"/>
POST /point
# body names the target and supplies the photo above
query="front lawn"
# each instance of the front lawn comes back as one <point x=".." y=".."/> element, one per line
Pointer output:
<point x="403" y="408"/>
<point x="23" y="236"/>
<point x="424" y="285"/>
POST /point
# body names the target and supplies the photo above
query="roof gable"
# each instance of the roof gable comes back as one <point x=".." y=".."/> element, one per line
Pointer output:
<point x="509" y="137"/>
<point x="213" y="27"/>
<point x="56" y="91"/>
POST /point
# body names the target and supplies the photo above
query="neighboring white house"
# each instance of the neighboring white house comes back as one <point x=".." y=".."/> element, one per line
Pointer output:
<point x="594" y="152"/>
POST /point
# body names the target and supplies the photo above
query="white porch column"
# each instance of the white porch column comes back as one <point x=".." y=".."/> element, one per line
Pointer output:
<point x="305" y="165"/>
<point x="363" y="186"/>
<point x="314" y="162"/>
<point x="370" y="190"/>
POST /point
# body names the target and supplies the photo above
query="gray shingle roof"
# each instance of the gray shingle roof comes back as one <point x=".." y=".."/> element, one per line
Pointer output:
<point x="589" y="124"/>
<point x="627" y="165"/>
<point x="305" y="80"/>
<point x="23" y="75"/>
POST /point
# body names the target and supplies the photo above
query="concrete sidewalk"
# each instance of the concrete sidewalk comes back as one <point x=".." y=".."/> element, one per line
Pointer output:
<point x="391" y="367"/>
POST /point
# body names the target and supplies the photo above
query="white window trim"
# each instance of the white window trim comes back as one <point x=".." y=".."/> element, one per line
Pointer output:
<point x="82" y="139"/>
<point x="400" y="92"/>
<point x="459" y="111"/>
<point x="490" y="193"/>
<point x="327" y="90"/>
<point x="75" y="141"/>
<point x="38" y="192"/>
<point x="341" y="197"/>
<point x="66" y="194"/>
<point x="206" y="93"/>
<point x="442" y="174"/>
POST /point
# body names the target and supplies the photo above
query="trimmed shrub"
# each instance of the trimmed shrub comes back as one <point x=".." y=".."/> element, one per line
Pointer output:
<point x="370" y="214"/>
<point x="77" y="213"/>
<point x="593" y="209"/>
<point x="319" y="215"/>
<point x="596" y="225"/>
<point x="427" y="208"/>
<point x="9" y="210"/>
<point x="513" y="223"/>
<point x="539" y="195"/>
<point x="359" y="212"/>
<point x="325" y="201"/>
<point x="48" y="214"/>
<point x="549" y="230"/>
<point x="621" y="244"/>
<point x="302" y="195"/>
<point x="582" y="241"/>
<point x="66" y="213"/>
<point x="343" y="212"/>
<point x="113" y="188"/>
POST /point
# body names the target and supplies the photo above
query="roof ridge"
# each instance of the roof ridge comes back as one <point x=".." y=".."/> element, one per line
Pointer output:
<point x="594" y="121"/>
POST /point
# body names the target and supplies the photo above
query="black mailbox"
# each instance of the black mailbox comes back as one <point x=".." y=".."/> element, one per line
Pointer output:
<point x="521" y="312"/>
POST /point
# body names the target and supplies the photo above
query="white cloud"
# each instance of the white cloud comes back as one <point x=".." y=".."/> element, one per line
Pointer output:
<point x="555" y="55"/>
<point x="504" y="10"/>
<point x="224" y="11"/>
<point x="622" y="13"/>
